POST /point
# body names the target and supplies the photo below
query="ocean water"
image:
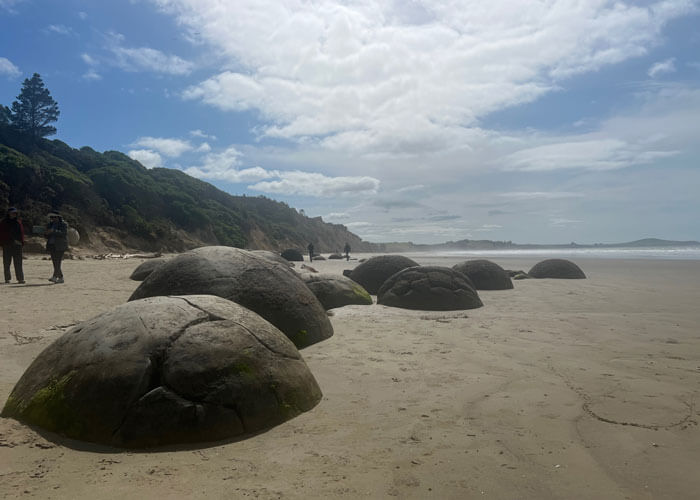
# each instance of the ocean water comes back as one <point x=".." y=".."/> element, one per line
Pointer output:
<point x="663" y="253"/>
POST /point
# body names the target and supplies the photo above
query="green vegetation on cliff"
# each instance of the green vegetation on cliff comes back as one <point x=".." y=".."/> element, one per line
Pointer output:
<point x="156" y="209"/>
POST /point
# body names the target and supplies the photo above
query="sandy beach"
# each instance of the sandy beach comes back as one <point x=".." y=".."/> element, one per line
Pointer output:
<point x="584" y="389"/>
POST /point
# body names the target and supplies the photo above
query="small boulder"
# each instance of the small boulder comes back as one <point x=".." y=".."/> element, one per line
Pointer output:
<point x="272" y="290"/>
<point x="372" y="273"/>
<point x="165" y="370"/>
<point x="336" y="291"/>
<point x="272" y="256"/>
<point x="335" y="256"/>
<point x="556" y="268"/>
<point x="485" y="275"/>
<point x="429" y="288"/>
<point x="73" y="236"/>
<point x="292" y="255"/>
<point x="145" y="268"/>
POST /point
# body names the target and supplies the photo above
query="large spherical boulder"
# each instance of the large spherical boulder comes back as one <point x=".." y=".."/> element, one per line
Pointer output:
<point x="272" y="290"/>
<point x="485" y="275"/>
<point x="273" y="257"/>
<point x="292" y="255"/>
<point x="430" y="288"/>
<point x="372" y="273"/>
<point x="336" y="291"/>
<point x="556" y="268"/>
<point x="145" y="268"/>
<point x="165" y="370"/>
<point x="73" y="236"/>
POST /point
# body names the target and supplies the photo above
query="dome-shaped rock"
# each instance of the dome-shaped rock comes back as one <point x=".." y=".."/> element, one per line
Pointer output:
<point x="144" y="269"/>
<point x="73" y="236"/>
<point x="336" y="291"/>
<point x="272" y="290"/>
<point x="372" y="273"/>
<point x="272" y="256"/>
<point x="429" y="288"/>
<point x="292" y="255"/>
<point x="165" y="370"/>
<point x="556" y="268"/>
<point x="335" y="256"/>
<point x="485" y="275"/>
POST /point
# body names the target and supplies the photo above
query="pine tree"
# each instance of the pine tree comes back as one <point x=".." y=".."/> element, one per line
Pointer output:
<point x="35" y="109"/>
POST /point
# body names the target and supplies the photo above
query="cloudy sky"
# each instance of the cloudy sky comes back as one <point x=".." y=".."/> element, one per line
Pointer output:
<point x="405" y="120"/>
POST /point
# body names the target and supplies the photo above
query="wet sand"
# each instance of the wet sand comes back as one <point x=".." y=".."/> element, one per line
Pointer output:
<point x="556" y="389"/>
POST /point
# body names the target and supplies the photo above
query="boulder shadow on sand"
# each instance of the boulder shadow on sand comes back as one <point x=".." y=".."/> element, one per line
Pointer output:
<point x="162" y="371"/>
<point x="272" y="290"/>
<point x="429" y="288"/>
<point x="556" y="268"/>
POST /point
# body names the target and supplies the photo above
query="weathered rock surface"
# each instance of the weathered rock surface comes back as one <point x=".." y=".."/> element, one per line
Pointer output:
<point x="335" y="256"/>
<point x="272" y="290"/>
<point x="372" y="273"/>
<point x="429" y="288"/>
<point x="273" y="257"/>
<point x="336" y="291"/>
<point x="556" y="268"/>
<point x="292" y="255"/>
<point x="165" y="370"/>
<point x="485" y="275"/>
<point x="145" y="268"/>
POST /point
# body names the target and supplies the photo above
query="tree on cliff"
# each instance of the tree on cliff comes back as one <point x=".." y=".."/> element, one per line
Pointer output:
<point x="34" y="109"/>
<point x="5" y="115"/>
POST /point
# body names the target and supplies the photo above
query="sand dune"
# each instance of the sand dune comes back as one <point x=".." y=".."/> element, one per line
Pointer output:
<point x="556" y="389"/>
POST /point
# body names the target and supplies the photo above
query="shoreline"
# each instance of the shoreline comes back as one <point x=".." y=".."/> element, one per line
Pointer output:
<point x="556" y="389"/>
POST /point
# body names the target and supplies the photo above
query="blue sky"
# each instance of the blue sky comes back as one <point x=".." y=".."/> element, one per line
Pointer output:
<point x="546" y="121"/>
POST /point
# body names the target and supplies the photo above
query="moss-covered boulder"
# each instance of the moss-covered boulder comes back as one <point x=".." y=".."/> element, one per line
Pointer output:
<point x="429" y="288"/>
<point x="336" y="291"/>
<point x="145" y="268"/>
<point x="165" y="370"/>
<point x="372" y="273"/>
<point x="485" y="275"/>
<point x="556" y="268"/>
<point x="272" y="290"/>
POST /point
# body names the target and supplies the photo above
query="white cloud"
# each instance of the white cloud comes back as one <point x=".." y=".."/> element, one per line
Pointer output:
<point x="9" y="4"/>
<point x="147" y="158"/>
<point x="165" y="146"/>
<point x="203" y="148"/>
<point x="8" y="68"/>
<point x="594" y="154"/>
<point x="202" y="135"/>
<point x="540" y="195"/>
<point x="387" y="77"/>
<point x="88" y="59"/>
<point x="60" y="29"/>
<point x="82" y="15"/>
<point x="315" y="184"/>
<point x="146" y="58"/>
<point x="91" y="74"/>
<point x="667" y="66"/>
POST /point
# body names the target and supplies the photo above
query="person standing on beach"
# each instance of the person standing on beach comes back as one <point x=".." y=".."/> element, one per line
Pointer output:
<point x="347" y="251"/>
<point x="12" y="239"/>
<point x="310" y="248"/>
<point x="56" y="244"/>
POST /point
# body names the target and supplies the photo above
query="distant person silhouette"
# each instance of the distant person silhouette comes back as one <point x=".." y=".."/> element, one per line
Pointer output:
<point x="347" y="251"/>
<point x="12" y="240"/>
<point x="311" y="252"/>
<point x="56" y="244"/>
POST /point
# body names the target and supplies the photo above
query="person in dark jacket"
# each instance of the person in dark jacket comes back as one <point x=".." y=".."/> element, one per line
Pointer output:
<point x="56" y="244"/>
<point x="12" y="239"/>
<point x="347" y="251"/>
<point x="310" y="248"/>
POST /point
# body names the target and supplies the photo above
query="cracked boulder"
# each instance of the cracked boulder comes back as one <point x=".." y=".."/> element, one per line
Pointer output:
<point x="372" y="273"/>
<point x="271" y="289"/>
<point x="165" y="370"/>
<point x="556" y="268"/>
<point x="336" y="291"/>
<point x="485" y="275"/>
<point x="144" y="269"/>
<point x="429" y="288"/>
